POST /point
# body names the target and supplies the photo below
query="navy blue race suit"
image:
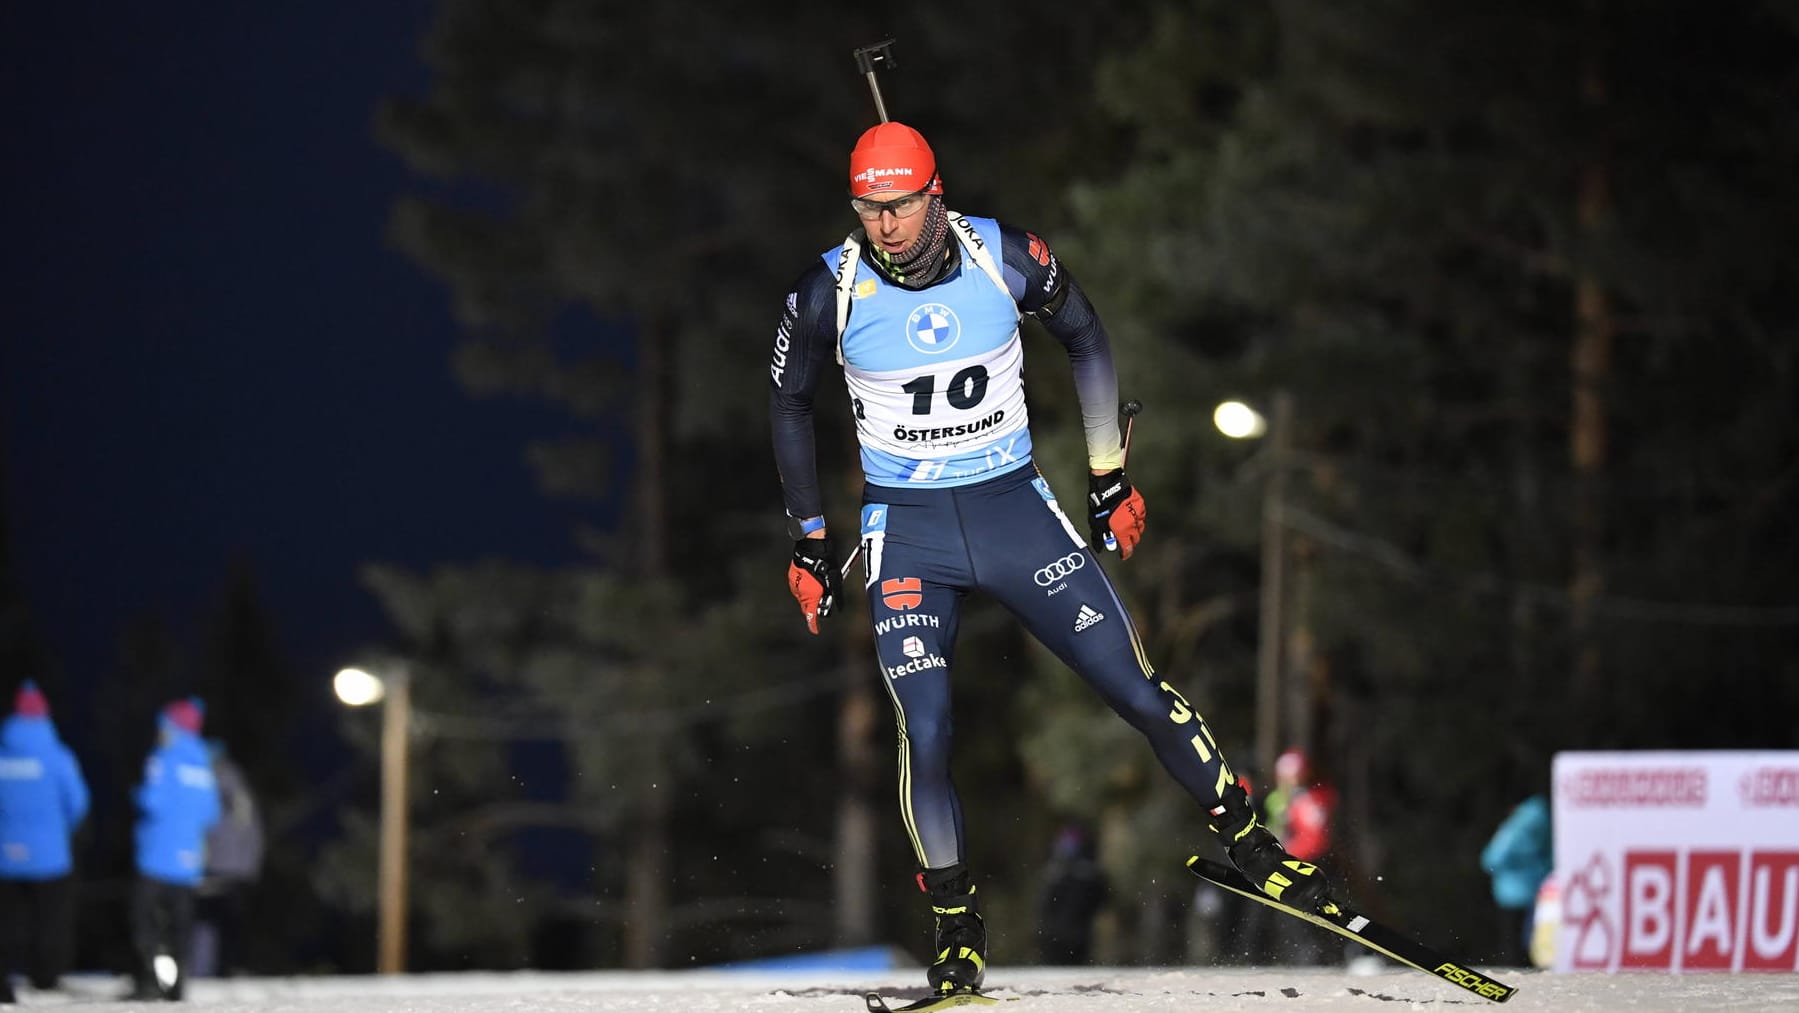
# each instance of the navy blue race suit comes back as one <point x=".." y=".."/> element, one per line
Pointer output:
<point x="952" y="501"/>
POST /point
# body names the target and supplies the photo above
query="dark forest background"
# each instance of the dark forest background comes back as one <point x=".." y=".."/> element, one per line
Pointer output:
<point x="1522" y="273"/>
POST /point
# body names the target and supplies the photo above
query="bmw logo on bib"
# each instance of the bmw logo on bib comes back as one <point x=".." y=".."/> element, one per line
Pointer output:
<point x="933" y="328"/>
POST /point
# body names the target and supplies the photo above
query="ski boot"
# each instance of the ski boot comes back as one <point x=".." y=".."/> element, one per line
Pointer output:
<point x="1258" y="855"/>
<point x="960" y="935"/>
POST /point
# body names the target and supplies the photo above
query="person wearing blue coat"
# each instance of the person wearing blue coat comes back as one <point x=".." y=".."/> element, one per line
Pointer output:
<point x="1519" y="857"/>
<point x="43" y="798"/>
<point x="177" y="803"/>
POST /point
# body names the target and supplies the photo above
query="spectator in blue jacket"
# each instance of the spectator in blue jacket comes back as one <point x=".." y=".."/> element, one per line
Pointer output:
<point x="177" y="803"/>
<point x="1518" y="858"/>
<point x="42" y="800"/>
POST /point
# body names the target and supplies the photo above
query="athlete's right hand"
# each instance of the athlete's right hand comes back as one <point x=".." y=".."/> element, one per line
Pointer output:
<point x="812" y="577"/>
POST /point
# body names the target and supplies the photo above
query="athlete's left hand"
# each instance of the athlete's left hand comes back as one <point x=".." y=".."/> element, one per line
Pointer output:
<point x="1115" y="512"/>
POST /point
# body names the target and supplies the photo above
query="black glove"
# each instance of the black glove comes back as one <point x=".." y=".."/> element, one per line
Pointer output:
<point x="1115" y="512"/>
<point x="812" y="577"/>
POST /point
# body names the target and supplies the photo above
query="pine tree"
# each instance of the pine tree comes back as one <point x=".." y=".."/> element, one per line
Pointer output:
<point x="1430" y="225"/>
<point x="621" y="197"/>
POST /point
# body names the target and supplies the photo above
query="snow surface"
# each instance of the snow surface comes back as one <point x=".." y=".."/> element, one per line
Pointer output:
<point x="1038" y="989"/>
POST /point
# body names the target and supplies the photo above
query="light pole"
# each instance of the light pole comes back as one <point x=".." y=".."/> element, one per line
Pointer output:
<point x="358" y="688"/>
<point x="1239" y="421"/>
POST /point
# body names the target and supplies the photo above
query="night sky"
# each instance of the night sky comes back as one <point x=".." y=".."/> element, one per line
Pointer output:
<point x="209" y="350"/>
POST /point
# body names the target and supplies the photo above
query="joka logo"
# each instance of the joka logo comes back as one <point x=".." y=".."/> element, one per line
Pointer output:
<point x="1060" y="569"/>
<point x="933" y="328"/>
<point x="1086" y="618"/>
<point x="969" y="233"/>
<point x="902" y="592"/>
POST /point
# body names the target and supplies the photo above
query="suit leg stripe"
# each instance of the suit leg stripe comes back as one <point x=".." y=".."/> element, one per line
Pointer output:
<point x="1130" y="628"/>
<point x="1149" y="671"/>
<point x="1067" y="525"/>
<point x="907" y="815"/>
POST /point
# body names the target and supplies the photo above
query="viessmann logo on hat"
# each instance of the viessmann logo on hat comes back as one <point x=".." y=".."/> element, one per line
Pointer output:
<point x="892" y="156"/>
<point x="880" y="179"/>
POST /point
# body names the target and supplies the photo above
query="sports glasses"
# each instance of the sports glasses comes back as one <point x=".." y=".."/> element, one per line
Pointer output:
<point x="902" y="207"/>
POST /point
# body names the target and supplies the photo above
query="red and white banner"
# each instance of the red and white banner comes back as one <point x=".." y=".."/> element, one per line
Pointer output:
<point x="1677" y="861"/>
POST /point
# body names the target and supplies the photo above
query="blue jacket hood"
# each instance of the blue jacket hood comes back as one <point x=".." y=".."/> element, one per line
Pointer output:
<point x="22" y="733"/>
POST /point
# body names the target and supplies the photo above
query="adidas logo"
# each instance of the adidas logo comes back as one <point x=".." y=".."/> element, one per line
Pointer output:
<point x="1087" y="617"/>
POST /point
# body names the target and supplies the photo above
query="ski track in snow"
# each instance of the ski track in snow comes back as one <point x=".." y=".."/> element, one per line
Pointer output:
<point x="1036" y="989"/>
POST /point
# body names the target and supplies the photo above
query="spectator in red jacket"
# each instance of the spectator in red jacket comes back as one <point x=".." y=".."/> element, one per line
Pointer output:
<point x="1300" y="808"/>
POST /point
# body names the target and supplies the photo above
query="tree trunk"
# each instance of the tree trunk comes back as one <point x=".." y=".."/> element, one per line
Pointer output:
<point x="646" y="880"/>
<point x="1271" y="625"/>
<point x="1530" y="557"/>
<point x="855" y="875"/>
<point x="1590" y="362"/>
<point x="855" y="872"/>
<point x="1302" y="671"/>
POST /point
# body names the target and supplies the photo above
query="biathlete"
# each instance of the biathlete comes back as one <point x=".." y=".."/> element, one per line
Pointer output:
<point x="920" y="307"/>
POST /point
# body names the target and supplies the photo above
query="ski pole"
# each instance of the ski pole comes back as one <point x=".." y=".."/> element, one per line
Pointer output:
<point x="1130" y="410"/>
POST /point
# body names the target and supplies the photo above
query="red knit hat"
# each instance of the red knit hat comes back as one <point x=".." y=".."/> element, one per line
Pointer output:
<point x="30" y="702"/>
<point x="893" y="157"/>
<point x="184" y="714"/>
<point x="1292" y="764"/>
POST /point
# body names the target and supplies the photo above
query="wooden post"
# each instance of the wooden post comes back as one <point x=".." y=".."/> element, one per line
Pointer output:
<point x="1270" y="650"/>
<point x="396" y="724"/>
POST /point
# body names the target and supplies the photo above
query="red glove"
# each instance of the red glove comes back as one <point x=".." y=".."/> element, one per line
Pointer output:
<point x="812" y="577"/>
<point x="1115" y="512"/>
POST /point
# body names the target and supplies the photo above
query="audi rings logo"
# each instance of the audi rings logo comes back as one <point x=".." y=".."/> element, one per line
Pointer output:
<point x="1061" y="569"/>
